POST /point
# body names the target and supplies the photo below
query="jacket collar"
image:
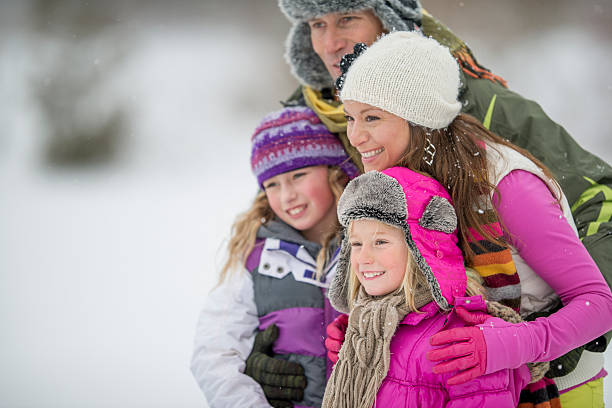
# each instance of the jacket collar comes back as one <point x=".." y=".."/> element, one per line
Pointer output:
<point x="279" y="230"/>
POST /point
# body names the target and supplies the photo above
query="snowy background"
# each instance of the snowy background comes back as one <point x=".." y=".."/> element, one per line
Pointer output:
<point x="124" y="157"/>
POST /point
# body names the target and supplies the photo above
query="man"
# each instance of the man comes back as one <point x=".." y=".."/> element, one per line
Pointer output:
<point x="323" y="32"/>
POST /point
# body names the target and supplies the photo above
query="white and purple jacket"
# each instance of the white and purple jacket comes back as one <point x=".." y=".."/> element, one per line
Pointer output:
<point x="279" y="288"/>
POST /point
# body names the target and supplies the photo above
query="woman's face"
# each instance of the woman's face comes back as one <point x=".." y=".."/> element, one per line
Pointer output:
<point x="380" y="137"/>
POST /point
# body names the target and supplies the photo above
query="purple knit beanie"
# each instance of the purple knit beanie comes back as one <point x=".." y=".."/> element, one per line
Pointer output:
<point x="293" y="138"/>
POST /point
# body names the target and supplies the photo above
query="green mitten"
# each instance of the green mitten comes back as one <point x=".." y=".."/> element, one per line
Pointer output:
<point x="598" y="345"/>
<point x="282" y="381"/>
<point x="280" y="403"/>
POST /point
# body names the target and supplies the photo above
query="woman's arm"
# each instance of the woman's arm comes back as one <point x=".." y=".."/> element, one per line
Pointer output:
<point x="546" y="241"/>
<point x="224" y="338"/>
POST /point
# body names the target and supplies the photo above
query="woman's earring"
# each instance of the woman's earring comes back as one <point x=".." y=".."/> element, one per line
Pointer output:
<point x="430" y="150"/>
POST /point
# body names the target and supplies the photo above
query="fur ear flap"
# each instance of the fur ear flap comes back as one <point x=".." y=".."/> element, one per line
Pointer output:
<point x="439" y="215"/>
<point x="339" y="287"/>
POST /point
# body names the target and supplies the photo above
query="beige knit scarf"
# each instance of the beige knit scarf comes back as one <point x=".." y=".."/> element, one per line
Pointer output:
<point x="364" y="357"/>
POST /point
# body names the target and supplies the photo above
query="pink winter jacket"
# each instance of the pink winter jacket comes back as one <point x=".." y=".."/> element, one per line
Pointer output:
<point x="410" y="381"/>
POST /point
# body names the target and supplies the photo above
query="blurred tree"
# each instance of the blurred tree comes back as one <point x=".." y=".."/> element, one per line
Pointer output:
<point x="79" y="51"/>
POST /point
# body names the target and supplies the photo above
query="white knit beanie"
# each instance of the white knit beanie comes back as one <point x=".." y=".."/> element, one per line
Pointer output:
<point x="409" y="75"/>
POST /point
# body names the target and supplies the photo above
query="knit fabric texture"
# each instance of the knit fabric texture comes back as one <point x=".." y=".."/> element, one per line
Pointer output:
<point x="409" y="75"/>
<point x="365" y="356"/>
<point x="495" y="265"/>
<point x="293" y="138"/>
<point x="414" y="203"/>
<point x="401" y="15"/>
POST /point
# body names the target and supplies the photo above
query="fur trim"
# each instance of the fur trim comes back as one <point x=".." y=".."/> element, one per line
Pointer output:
<point x="304" y="10"/>
<point x="398" y="15"/>
<point x="306" y="66"/>
<point x="338" y="289"/>
<point x="375" y="195"/>
<point x="439" y="215"/>
<point x="434" y="286"/>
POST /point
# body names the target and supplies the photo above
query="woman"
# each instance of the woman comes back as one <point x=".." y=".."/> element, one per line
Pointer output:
<point x="401" y="102"/>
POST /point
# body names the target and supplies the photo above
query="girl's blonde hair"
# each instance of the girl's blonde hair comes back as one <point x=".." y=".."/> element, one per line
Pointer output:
<point x="474" y="283"/>
<point x="244" y="229"/>
<point x="413" y="278"/>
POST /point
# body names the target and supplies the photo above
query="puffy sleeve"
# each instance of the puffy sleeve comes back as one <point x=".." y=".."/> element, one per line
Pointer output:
<point x="224" y="338"/>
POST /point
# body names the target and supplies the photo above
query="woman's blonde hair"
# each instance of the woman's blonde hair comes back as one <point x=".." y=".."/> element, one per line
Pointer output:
<point x="244" y="230"/>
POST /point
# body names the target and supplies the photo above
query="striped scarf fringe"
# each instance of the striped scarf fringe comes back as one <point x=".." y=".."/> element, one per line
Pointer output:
<point x="541" y="394"/>
<point x="494" y="264"/>
<point x="365" y="357"/>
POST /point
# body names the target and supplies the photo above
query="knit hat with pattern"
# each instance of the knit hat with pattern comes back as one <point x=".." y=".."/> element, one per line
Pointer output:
<point x="292" y="138"/>
<point x="403" y="15"/>
<point x="409" y="75"/>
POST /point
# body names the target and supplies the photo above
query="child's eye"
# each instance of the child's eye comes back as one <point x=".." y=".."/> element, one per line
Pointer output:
<point x="371" y="118"/>
<point x="355" y="244"/>
<point x="298" y="175"/>
<point x="269" y="186"/>
<point x="348" y="118"/>
<point x="381" y="242"/>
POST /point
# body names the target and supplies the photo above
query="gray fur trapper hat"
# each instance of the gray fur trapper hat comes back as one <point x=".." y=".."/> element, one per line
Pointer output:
<point x="306" y="66"/>
<point x="419" y="206"/>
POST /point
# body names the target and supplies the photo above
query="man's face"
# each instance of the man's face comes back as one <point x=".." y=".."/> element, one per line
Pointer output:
<point x="334" y="35"/>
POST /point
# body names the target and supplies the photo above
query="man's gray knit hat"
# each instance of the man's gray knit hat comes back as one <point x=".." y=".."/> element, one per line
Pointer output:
<point x="306" y="66"/>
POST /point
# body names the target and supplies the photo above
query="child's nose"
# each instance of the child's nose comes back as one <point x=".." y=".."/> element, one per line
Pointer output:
<point x="288" y="193"/>
<point x="365" y="256"/>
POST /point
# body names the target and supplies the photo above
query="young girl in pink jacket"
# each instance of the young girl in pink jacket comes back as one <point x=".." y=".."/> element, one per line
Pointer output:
<point x="405" y="279"/>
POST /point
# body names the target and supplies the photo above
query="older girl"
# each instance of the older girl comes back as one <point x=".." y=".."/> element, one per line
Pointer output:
<point x="278" y="268"/>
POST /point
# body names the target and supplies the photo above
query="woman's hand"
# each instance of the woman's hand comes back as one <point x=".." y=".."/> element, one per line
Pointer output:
<point x="466" y="349"/>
